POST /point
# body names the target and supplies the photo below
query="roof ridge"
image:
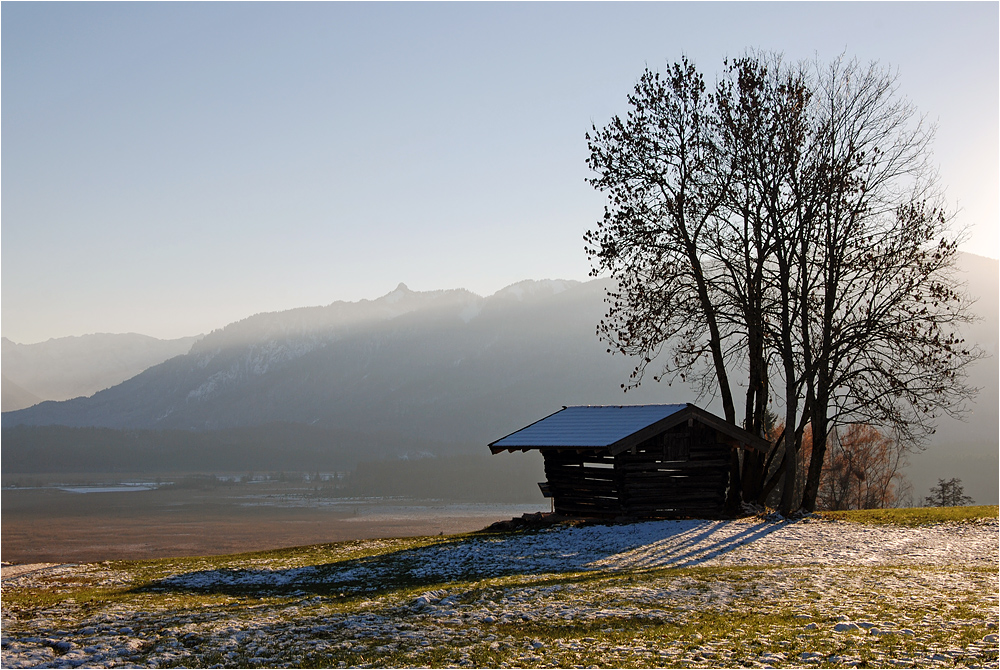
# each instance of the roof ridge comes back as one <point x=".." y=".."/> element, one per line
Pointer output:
<point x="645" y="404"/>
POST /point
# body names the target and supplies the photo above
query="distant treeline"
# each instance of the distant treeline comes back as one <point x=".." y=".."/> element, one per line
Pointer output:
<point x="502" y="478"/>
<point x="277" y="446"/>
<point x="372" y="463"/>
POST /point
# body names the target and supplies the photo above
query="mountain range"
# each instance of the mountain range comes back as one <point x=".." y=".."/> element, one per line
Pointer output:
<point x="446" y="365"/>
<point x="69" y="367"/>
<point x="452" y="368"/>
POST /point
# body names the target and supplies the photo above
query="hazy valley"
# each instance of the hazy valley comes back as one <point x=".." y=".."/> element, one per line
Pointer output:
<point x="408" y="375"/>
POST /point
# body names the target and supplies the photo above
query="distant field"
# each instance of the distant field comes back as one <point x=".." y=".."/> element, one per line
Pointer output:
<point x="53" y="525"/>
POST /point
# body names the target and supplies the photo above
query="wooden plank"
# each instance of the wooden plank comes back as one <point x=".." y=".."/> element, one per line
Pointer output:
<point x="578" y="510"/>
<point x="681" y="496"/>
<point x="719" y="465"/>
<point x="560" y="478"/>
<point x="669" y="486"/>
<point x="672" y="493"/>
<point x="585" y="493"/>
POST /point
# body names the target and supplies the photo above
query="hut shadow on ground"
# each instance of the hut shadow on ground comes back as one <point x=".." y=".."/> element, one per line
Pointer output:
<point x="648" y="545"/>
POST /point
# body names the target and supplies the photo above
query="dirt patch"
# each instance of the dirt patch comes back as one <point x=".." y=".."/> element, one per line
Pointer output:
<point x="537" y="520"/>
<point x="11" y="571"/>
<point x="47" y="525"/>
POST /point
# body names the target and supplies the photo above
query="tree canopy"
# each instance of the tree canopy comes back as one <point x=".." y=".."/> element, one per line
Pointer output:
<point x="948" y="493"/>
<point x="782" y="232"/>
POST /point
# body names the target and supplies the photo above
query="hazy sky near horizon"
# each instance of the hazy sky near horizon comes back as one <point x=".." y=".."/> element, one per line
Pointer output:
<point x="168" y="168"/>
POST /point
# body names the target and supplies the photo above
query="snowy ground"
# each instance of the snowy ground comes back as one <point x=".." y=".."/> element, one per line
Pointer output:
<point x="673" y="593"/>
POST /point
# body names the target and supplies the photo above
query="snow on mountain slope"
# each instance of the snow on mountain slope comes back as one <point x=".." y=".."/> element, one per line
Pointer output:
<point x="334" y="319"/>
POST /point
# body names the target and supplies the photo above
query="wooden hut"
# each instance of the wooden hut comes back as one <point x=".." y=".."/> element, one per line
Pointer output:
<point x="638" y="461"/>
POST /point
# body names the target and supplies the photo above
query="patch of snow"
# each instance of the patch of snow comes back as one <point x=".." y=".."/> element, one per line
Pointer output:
<point x="256" y="361"/>
<point x="457" y="621"/>
<point x="653" y="544"/>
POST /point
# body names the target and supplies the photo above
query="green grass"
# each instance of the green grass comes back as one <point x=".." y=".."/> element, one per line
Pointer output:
<point x="914" y="516"/>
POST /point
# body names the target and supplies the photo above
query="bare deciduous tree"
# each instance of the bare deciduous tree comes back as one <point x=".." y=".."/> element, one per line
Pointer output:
<point x="658" y="167"/>
<point x="863" y="470"/>
<point x="786" y="227"/>
<point x="880" y="343"/>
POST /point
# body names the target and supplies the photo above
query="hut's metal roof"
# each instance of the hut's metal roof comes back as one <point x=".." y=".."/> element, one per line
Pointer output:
<point x="587" y="426"/>
<point x="613" y="427"/>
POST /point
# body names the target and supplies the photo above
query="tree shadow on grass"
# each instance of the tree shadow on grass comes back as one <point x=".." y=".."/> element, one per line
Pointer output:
<point x="686" y="549"/>
<point x="476" y="557"/>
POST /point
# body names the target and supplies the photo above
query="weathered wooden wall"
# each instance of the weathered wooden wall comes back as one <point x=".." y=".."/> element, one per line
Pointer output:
<point x="683" y="472"/>
<point x="583" y="484"/>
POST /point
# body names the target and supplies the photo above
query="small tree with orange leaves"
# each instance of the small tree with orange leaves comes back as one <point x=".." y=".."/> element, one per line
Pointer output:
<point x="863" y="470"/>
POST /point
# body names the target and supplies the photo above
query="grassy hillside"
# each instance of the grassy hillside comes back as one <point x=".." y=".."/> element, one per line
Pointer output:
<point x="659" y="594"/>
<point x="915" y="516"/>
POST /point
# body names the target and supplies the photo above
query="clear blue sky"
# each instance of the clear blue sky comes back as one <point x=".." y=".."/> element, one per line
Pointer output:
<point x="170" y="168"/>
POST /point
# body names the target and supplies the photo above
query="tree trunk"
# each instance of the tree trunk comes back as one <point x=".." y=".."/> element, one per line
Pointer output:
<point x="820" y="428"/>
<point x="788" y="502"/>
<point x="773" y="481"/>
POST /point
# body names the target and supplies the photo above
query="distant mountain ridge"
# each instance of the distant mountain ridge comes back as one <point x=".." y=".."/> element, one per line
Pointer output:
<point x="14" y="397"/>
<point x="438" y="364"/>
<point x="69" y="367"/>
